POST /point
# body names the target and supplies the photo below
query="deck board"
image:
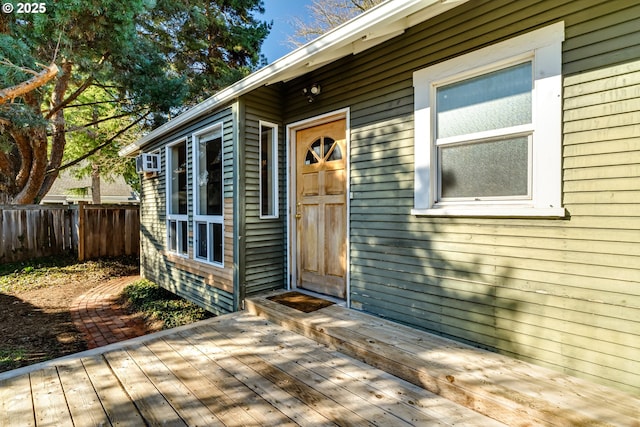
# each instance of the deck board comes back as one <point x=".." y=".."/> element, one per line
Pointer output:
<point x="120" y="409"/>
<point x="151" y="403"/>
<point x="294" y="409"/>
<point x="16" y="404"/>
<point x="82" y="399"/>
<point x="49" y="402"/>
<point x="306" y="396"/>
<point x="198" y="385"/>
<point x="179" y="396"/>
<point x="335" y="409"/>
<point x="233" y="400"/>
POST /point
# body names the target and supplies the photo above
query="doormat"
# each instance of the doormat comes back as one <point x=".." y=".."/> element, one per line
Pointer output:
<point x="301" y="302"/>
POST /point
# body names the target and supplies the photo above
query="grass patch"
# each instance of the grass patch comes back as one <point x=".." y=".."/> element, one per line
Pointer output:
<point x="10" y="359"/>
<point x="51" y="271"/>
<point x="159" y="305"/>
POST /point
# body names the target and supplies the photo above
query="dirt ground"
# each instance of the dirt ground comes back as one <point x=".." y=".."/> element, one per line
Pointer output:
<point x="35" y="321"/>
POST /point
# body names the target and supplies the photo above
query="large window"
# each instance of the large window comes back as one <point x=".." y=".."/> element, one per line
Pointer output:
<point x="177" y="219"/>
<point x="488" y="130"/>
<point x="268" y="170"/>
<point x="208" y="198"/>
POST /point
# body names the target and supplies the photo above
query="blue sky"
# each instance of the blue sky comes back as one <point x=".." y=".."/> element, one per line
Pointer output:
<point x="281" y="12"/>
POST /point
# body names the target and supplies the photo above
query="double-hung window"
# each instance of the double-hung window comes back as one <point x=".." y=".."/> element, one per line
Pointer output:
<point x="268" y="170"/>
<point x="488" y="130"/>
<point x="177" y="216"/>
<point x="208" y="173"/>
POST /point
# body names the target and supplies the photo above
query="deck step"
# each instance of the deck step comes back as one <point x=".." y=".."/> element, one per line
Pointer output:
<point x="514" y="392"/>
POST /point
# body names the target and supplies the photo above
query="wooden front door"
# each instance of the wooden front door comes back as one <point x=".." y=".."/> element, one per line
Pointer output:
<point x="321" y="208"/>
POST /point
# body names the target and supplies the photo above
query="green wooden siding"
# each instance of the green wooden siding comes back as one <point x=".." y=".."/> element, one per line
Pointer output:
<point x="264" y="239"/>
<point x="155" y="265"/>
<point x="560" y="293"/>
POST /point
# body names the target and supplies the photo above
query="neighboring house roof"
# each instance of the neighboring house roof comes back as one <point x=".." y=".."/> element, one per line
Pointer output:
<point x="62" y="190"/>
<point x="377" y="25"/>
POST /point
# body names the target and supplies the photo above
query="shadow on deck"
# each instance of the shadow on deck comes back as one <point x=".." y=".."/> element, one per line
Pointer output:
<point x="274" y="365"/>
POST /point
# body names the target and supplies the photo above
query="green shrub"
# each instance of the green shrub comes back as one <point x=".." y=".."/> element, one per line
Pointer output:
<point x="158" y="304"/>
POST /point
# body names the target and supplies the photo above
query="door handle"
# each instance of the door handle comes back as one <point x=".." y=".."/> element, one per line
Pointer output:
<point x="298" y="213"/>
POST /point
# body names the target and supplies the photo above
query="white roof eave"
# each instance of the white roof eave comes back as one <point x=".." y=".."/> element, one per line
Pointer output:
<point x="352" y="37"/>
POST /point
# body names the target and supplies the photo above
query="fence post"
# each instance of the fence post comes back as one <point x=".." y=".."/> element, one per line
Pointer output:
<point x="81" y="231"/>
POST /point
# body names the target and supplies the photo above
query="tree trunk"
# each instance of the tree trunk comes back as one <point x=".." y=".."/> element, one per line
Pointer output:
<point x="26" y="158"/>
<point x="38" y="142"/>
<point x="32" y="144"/>
<point x="95" y="184"/>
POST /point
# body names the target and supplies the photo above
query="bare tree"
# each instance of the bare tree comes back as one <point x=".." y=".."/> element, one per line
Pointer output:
<point x="325" y="15"/>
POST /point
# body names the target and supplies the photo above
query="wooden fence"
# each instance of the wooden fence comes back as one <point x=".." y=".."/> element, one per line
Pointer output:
<point x="107" y="231"/>
<point x="90" y="231"/>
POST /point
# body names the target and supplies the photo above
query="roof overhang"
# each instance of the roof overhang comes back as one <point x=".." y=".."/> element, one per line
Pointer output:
<point x="377" y="25"/>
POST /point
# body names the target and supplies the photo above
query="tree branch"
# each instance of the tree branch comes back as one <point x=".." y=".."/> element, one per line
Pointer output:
<point x="23" y="69"/>
<point x="88" y="104"/>
<point x="91" y="124"/>
<point x="78" y="91"/>
<point x="40" y="79"/>
<point x="99" y="147"/>
<point x="70" y="98"/>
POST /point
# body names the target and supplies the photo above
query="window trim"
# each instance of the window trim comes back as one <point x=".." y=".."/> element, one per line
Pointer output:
<point x="171" y="217"/>
<point x="274" y="170"/>
<point x="216" y="128"/>
<point x="544" y="48"/>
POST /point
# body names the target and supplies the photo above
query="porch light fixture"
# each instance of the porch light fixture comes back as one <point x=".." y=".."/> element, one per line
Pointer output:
<point x="312" y="91"/>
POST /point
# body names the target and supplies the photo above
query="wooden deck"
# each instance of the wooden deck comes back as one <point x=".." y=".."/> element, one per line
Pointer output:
<point x="511" y="391"/>
<point x="234" y="370"/>
<point x="244" y="370"/>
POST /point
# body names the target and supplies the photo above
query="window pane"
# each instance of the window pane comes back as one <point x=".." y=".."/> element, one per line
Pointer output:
<point x="210" y="176"/>
<point x="179" y="178"/>
<point x="488" y="169"/>
<point x="267" y="172"/>
<point x="311" y="159"/>
<point x="172" y="236"/>
<point x="328" y="143"/>
<point x="184" y="237"/>
<point x="217" y="242"/>
<point x="492" y="101"/>
<point x="201" y="239"/>
<point x="336" y="154"/>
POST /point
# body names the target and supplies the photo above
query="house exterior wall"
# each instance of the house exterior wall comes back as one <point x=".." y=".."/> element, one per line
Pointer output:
<point x="564" y="293"/>
<point x="263" y="256"/>
<point x="210" y="286"/>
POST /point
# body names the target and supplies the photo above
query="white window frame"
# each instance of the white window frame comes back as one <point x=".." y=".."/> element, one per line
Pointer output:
<point x="209" y="220"/>
<point x="172" y="217"/>
<point x="274" y="169"/>
<point x="544" y="48"/>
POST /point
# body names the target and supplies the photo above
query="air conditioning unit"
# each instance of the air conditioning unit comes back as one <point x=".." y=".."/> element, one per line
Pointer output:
<point x="147" y="162"/>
